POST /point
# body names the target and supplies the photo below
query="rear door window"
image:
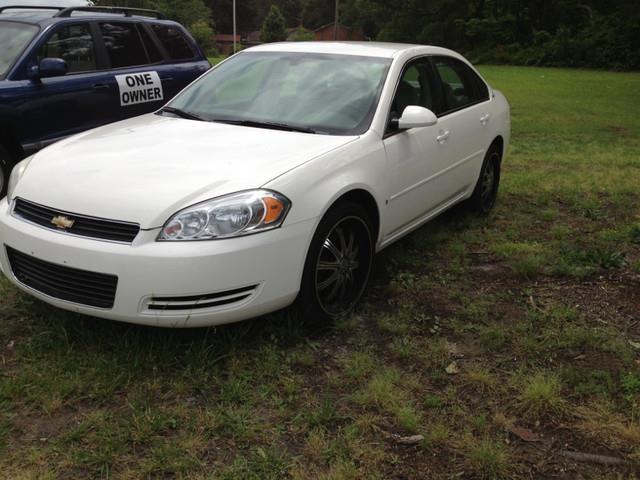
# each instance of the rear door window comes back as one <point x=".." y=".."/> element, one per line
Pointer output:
<point x="74" y="44"/>
<point x="123" y="44"/>
<point x="461" y="86"/>
<point x="150" y="46"/>
<point x="173" y="42"/>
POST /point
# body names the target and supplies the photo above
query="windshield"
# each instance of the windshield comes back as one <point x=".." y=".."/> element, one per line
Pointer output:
<point x="334" y="94"/>
<point x="14" y="37"/>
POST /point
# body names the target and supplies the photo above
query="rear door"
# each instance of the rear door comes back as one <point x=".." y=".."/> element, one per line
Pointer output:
<point x="184" y="60"/>
<point x="463" y="120"/>
<point x="135" y="66"/>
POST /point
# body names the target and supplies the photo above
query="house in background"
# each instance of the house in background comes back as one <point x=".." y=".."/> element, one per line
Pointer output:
<point x="224" y="43"/>
<point x="327" y="32"/>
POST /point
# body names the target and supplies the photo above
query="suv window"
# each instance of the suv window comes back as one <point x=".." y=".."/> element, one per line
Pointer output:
<point x="14" y="37"/>
<point x="123" y="44"/>
<point x="74" y="44"/>
<point x="152" y="50"/>
<point x="414" y="88"/>
<point x="174" y="42"/>
<point x="460" y="84"/>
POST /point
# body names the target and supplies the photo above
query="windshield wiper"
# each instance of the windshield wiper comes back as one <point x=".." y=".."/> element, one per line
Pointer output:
<point x="183" y="114"/>
<point x="272" y="125"/>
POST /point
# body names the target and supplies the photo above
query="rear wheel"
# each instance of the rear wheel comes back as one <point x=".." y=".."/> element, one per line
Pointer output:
<point x="338" y="263"/>
<point x="485" y="193"/>
<point x="6" y="163"/>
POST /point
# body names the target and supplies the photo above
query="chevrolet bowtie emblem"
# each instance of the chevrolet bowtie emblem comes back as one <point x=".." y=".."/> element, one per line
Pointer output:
<point x="62" y="222"/>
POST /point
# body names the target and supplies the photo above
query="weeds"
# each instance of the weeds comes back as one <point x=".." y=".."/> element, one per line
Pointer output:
<point x="541" y="396"/>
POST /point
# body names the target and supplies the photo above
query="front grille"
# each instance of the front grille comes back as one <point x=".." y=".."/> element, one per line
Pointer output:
<point x="65" y="283"/>
<point x="199" y="302"/>
<point x="82" y="225"/>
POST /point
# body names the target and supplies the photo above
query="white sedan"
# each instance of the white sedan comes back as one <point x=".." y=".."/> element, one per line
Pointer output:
<point x="270" y="181"/>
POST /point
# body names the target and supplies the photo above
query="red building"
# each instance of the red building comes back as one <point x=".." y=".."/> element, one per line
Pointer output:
<point x="327" y="32"/>
<point x="224" y="42"/>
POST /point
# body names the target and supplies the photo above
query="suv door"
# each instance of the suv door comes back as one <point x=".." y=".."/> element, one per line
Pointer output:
<point x="184" y="61"/>
<point x="416" y="158"/>
<point x="135" y="70"/>
<point x="149" y="63"/>
<point x="56" y="107"/>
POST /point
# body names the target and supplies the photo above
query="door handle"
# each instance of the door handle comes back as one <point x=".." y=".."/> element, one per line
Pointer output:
<point x="100" y="86"/>
<point x="484" y="119"/>
<point x="166" y="79"/>
<point x="442" y="137"/>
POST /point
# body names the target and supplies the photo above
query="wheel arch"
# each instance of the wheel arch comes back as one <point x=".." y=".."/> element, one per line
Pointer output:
<point x="364" y="198"/>
<point x="499" y="142"/>
<point x="9" y="142"/>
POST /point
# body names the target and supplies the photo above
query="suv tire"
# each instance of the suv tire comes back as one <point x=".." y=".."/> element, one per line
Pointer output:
<point x="6" y="164"/>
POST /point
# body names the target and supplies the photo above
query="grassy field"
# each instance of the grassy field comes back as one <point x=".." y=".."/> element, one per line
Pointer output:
<point x="505" y="342"/>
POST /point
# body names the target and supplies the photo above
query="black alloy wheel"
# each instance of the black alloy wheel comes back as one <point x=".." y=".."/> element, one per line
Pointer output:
<point x="338" y="263"/>
<point x="486" y="190"/>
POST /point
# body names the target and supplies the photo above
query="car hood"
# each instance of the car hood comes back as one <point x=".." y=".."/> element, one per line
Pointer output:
<point x="147" y="168"/>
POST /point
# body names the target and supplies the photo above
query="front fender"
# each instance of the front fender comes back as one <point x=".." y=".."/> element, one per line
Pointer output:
<point x="316" y="185"/>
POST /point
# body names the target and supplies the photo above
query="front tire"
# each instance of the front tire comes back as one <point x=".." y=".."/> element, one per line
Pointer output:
<point x="338" y="263"/>
<point x="485" y="193"/>
<point x="6" y="163"/>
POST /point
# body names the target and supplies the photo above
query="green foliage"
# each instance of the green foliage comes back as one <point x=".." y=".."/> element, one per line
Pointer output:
<point x="203" y="33"/>
<point x="186" y="12"/>
<point x="588" y="33"/>
<point x="541" y="395"/>
<point x="631" y="383"/>
<point x="273" y="28"/>
<point x="487" y="458"/>
<point x="301" y="35"/>
<point x="634" y="234"/>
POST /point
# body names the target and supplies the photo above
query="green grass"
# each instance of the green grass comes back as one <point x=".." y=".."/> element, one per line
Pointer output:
<point x="215" y="60"/>
<point x="537" y="304"/>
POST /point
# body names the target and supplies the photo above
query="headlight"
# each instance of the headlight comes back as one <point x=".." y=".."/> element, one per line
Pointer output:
<point x="16" y="175"/>
<point x="233" y="215"/>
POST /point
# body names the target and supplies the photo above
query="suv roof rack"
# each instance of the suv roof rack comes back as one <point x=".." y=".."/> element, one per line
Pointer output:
<point x="127" y="12"/>
<point x="29" y="7"/>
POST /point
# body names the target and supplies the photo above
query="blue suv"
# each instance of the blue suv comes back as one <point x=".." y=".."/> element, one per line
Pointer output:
<point x="65" y="70"/>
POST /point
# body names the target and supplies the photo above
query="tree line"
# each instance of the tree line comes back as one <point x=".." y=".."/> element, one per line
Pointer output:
<point x="577" y="33"/>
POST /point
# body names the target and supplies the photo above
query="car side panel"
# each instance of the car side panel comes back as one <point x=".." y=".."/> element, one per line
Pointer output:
<point x="315" y="186"/>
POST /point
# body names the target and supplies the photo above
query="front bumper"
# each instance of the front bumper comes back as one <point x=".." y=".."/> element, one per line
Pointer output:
<point x="271" y="261"/>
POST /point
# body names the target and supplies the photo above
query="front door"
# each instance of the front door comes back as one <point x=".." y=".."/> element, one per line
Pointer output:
<point x="418" y="157"/>
<point x="59" y="106"/>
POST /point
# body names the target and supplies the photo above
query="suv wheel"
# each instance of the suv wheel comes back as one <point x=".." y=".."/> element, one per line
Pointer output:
<point x="338" y="263"/>
<point x="6" y="163"/>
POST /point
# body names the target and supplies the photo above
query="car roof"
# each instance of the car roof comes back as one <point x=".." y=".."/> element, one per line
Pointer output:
<point x="366" y="49"/>
<point x="44" y="17"/>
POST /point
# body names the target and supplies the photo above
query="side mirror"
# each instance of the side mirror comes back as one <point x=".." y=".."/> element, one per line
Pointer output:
<point x="48" y="67"/>
<point x="415" y="116"/>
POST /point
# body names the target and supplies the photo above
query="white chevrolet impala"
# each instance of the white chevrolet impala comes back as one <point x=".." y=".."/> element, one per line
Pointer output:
<point x="270" y="181"/>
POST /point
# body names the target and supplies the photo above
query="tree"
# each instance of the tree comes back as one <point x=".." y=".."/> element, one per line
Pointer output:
<point x="203" y="34"/>
<point x="273" y="28"/>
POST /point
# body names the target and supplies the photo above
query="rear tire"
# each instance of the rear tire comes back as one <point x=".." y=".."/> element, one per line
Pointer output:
<point x="6" y="164"/>
<point x="338" y="264"/>
<point x="485" y="193"/>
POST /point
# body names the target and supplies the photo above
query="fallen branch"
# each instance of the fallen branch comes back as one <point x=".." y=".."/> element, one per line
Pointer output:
<point x="412" y="440"/>
<point x="592" y="458"/>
